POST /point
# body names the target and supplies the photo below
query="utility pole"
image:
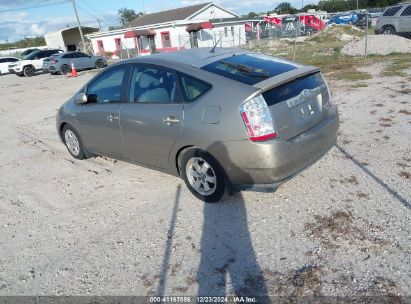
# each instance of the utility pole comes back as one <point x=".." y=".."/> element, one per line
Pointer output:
<point x="79" y="25"/>
<point x="99" y="25"/>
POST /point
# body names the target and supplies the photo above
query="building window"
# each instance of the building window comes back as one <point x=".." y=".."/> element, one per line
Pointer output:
<point x="165" y="38"/>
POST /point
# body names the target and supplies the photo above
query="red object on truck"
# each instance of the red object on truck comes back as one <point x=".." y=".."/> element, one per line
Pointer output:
<point x="313" y="22"/>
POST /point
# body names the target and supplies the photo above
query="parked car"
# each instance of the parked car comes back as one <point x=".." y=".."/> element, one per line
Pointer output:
<point x="221" y="120"/>
<point x="61" y="63"/>
<point x="375" y="12"/>
<point x="396" y="19"/>
<point x="33" y="62"/>
<point x="4" y="64"/>
<point x="362" y="19"/>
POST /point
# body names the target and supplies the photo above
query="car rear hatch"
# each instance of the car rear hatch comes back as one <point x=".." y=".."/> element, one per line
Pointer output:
<point x="298" y="100"/>
<point x="296" y="95"/>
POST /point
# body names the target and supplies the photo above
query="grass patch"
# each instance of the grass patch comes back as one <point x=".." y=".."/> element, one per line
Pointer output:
<point x="359" y="85"/>
<point x="325" y="53"/>
<point x="398" y="66"/>
<point x="351" y="75"/>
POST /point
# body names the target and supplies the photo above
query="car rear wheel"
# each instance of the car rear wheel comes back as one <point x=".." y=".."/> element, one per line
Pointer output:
<point x="73" y="142"/>
<point x="64" y="69"/>
<point x="99" y="64"/>
<point x="28" y="71"/>
<point x="203" y="175"/>
<point x="388" y="30"/>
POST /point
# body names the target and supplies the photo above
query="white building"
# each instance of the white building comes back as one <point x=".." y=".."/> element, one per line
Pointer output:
<point x="200" y="25"/>
<point x="67" y="39"/>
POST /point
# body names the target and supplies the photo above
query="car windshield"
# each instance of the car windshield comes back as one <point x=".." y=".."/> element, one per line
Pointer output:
<point x="249" y="68"/>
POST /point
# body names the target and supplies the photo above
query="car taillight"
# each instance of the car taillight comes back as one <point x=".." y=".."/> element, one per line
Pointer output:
<point x="53" y="61"/>
<point x="257" y="119"/>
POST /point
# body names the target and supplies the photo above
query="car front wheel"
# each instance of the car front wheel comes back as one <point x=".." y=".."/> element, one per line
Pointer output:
<point x="73" y="142"/>
<point x="389" y="30"/>
<point x="203" y="176"/>
<point x="64" y="69"/>
<point x="29" y="71"/>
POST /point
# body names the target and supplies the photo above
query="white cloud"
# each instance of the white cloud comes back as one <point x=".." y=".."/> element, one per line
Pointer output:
<point x="17" y="26"/>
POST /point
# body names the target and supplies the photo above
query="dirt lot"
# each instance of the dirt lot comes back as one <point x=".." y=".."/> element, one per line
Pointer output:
<point x="105" y="227"/>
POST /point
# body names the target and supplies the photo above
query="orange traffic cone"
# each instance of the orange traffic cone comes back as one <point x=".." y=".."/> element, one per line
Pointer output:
<point x="73" y="70"/>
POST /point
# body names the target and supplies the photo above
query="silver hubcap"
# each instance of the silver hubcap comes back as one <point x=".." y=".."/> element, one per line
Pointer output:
<point x="72" y="142"/>
<point x="201" y="176"/>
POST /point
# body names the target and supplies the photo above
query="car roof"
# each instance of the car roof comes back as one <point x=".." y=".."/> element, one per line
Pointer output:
<point x="197" y="57"/>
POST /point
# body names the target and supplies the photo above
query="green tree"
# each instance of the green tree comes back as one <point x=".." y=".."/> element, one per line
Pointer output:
<point x="285" y="8"/>
<point x="250" y="15"/>
<point x="310" y="6"/>
<point x="127" y="15"/>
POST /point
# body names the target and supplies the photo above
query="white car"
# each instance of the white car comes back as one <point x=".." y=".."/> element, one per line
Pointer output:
<point x="4" y="63"/>
<point x="31" y="63"/>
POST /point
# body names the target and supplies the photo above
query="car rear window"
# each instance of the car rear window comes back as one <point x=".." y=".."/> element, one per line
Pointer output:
<point x="293" y="88"/>
<point x="391" y="11"/>
<point x="249" y="68"/>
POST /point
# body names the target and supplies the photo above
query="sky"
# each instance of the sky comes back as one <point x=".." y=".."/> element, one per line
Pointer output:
<point x="27" y="18"/>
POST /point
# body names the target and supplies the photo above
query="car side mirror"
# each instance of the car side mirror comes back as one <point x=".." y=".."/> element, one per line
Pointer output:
<point x="81" y="98"/>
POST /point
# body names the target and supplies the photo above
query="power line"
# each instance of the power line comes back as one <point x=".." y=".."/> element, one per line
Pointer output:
<point x="32" y="7"/>
<point x="92" y="15"/>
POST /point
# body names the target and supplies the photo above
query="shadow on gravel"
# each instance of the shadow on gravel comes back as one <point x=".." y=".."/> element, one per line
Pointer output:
<point x="227" y="253"/>
<point x="169" y="246"/>
<point x="394" y="193"/>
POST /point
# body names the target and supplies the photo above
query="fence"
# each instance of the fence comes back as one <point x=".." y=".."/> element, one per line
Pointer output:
<point x="362" y="35"/>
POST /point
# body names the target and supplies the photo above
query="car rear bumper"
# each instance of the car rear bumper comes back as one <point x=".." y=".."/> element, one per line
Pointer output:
<point x="264" y="166"/>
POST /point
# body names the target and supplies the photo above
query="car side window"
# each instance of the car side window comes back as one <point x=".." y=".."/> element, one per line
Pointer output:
<point x="407" y="11"/>
<point x="153" y="85"/>
<point x="193" y="87"/>
<point x="107" y="88"/>
<point x="81" y="55"/>
<point x="392" y="11"/>
<point x="67" y="56"/>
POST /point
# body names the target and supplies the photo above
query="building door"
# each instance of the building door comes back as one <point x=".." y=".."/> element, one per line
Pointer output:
<point x="100" y="47"/>
<point x="152" y="44"/>
<point x="194" y="39"/>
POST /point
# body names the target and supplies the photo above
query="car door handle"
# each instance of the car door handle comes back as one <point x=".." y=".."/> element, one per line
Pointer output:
<point x="112" y="117"/>
<point x="170" y="120"/>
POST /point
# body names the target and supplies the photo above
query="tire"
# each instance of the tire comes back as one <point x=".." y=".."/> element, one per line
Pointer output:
<point x="29" y="71"/>
<point x="203" y="175"/>
<point x="64" y="69"/>
<point x="73" y="142"/>
<point x="99" y="64"/>
<point x="388" y="30"/>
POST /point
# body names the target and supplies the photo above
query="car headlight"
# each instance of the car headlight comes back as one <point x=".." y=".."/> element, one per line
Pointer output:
<point x="17" y="64"/>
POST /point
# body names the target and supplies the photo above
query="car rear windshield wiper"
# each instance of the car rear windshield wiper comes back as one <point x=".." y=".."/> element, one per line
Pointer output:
<point x="246" y="69"/>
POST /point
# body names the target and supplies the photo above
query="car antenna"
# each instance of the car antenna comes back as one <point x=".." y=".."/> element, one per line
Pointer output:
<point x="215" y="45"/>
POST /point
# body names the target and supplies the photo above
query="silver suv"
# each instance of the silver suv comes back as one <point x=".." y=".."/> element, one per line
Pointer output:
<point x="396" y="19"/>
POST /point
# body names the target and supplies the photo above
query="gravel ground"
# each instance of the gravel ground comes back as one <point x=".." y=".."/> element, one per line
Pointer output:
<point x="106" y="227"/>
<point x="378" y="45"/>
